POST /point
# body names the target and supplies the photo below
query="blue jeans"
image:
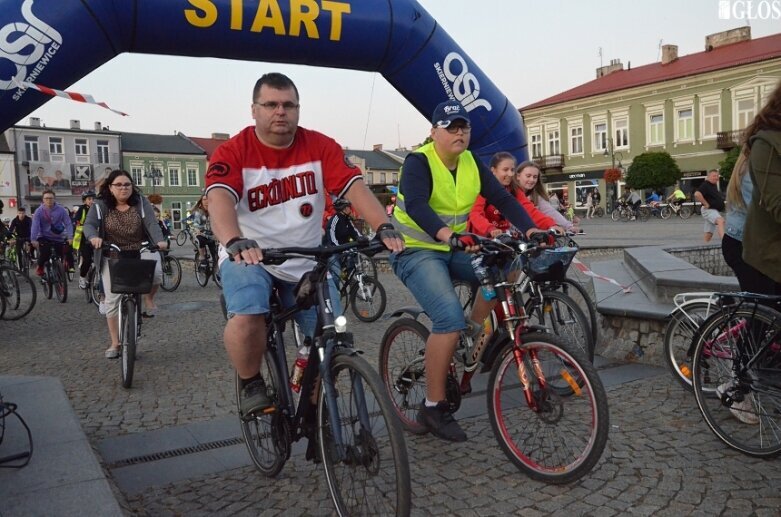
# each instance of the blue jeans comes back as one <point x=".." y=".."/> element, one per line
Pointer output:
<point x="428" y="274"/>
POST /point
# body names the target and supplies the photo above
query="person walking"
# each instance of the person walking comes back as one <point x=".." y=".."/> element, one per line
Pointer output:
<point x="712" y="201"/>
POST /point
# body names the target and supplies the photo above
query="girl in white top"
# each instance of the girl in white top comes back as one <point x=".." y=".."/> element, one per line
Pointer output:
<point x="527" y="177"/>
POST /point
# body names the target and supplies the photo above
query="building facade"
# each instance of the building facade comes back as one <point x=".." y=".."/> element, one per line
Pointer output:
<point x="693" y="107"/>
<point x="169" y="166"/>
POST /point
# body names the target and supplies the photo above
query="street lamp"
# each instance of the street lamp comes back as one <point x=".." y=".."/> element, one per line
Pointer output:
<point x="154" y="175"/>
<point x="610" y="151"/>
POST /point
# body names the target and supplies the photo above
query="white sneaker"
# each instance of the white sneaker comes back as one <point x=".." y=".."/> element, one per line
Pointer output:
<point x="103" y="308"/>
<point x="82" y="282"/>
<point x="743" y="410"/>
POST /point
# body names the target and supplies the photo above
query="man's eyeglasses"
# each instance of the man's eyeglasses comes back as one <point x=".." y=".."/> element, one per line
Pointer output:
<point x="454" y="129"/>
<point x="122" y="185"/>
<point x="273" y="106"/>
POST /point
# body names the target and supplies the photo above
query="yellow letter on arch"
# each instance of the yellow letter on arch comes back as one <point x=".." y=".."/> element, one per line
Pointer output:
<point x="202" y="20"/>
<point x="337" y="10"/>
<point x="299" y="16"/>
<point x="269" y="15"/>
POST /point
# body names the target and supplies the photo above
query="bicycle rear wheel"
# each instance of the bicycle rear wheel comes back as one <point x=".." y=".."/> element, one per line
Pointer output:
<point x="679" y="338"/>
<point x="579" y="294"/>
<point x="201" y="271"/>
<point x="266" y="434"/>
<point x="562" y="441"/>
<point x="60" y="282"/>
<point x="19" y="292"/>
<point x="737" y="378"/>
<point x="181" y="238"/>
<point x="367" y="298"/>
<point x="172" y="273"/>
<point x="563" y="317"/>
<point x="367" y="470"/>
<point x="402" y="369"/>
<point x="128" y="326"/>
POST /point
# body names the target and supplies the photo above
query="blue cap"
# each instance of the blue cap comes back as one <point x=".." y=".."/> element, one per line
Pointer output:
<point x="448" y="111"/>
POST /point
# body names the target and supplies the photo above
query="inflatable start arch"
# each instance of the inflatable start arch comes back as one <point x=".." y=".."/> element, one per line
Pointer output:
<point x="57" y="42"/>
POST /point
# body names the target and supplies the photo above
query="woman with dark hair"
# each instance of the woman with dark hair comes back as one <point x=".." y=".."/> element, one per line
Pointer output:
<point x="486" y="220"/>
<point x="203" y="231"/>
<point x="762" y="232"/>
<point x="122" y="216"/>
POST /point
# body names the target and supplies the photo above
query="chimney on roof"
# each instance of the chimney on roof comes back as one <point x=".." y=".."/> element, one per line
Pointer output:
<point x="729" y="37"/>
<point x="615" y="65"/>
<point x="75" y="124"/>
<point x="377" y="147"/>
<point x="98" y="126"/>
<point x="35" y="122"/>
<point x="220" y="136"/>
<point x="669" y="54"/>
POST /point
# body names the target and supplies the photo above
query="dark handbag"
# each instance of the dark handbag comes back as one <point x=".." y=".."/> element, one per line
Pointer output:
<point x="131" y="276"/>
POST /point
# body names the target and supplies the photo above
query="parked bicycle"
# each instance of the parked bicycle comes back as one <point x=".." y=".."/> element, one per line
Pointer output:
<point x="130" y="277"/>
<point x="342" y="409"/>
<point x="736" y="373"/>
<point x="55" y="276"/>
<point x="359" y="287"/>
<point x="546" y="403"/>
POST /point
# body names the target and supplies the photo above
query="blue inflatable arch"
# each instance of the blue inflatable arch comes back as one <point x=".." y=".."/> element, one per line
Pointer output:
<point x="57" y="42"/>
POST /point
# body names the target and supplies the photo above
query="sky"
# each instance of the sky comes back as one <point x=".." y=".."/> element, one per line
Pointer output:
<point x="530" y="49"/>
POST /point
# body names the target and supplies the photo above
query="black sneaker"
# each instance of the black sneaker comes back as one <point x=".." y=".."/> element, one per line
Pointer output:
<point x="439" y="420"/>
<point x="254" y="398"/>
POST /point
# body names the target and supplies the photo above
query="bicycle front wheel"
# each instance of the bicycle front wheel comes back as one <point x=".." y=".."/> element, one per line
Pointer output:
<point x="361" y="443"/>
<point x="402" y="369"/>
<point x="685" y="212"/>
<point x="128" y="321"/>
<point x="201" y="271"/>
<point x="266" y="434"/>
<point x="181" y="238"/>
<point x="665" y="212"/>
<point x="367" y="299"/>
<point x="95" y="286"/>
<point x="679" y="338"/>
<point x="60" y="282"/>
<point x="48" y="279"/>
<point x="562" y="440"/>
<point x="172" y="273"/>
<point x="736" y="372"/>
<point x="18" y="291"/>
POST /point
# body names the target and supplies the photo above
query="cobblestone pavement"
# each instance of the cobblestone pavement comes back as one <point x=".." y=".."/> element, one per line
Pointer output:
<point x="661" y="458"/>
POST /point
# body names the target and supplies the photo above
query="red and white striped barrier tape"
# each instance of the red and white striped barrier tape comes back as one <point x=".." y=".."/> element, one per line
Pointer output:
<point x="586" y="271"/>
<point x="79" y="97"/>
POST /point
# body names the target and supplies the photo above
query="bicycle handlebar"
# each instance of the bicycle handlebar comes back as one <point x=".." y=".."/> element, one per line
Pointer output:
<point x="145" y="246"/>
<point x="276" y="256"/>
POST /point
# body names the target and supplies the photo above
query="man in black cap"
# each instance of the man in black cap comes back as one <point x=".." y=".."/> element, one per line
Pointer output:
<point x="439" y="183"/>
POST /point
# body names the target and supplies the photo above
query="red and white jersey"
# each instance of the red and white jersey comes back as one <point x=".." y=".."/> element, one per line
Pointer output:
<point x="280" y="193"/>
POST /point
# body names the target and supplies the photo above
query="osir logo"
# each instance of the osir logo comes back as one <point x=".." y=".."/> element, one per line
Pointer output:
<point x="459" y="83"/>
<point x="28" y="45"/>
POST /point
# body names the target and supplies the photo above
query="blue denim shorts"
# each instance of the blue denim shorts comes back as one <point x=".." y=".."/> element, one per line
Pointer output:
<point x="428" y="274"/>
<point x="247" y="290"/>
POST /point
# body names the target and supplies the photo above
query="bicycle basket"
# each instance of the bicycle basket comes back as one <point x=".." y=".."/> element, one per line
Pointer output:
<point x="131" y="276"/>
<point x="550" y="264"/>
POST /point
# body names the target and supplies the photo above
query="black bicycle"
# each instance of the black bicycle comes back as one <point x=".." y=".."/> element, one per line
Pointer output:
<point x="343" y="409"/>
<point x="207" y="267"/>
<point x="55" y="276"/>
<point x="359" y="287"/>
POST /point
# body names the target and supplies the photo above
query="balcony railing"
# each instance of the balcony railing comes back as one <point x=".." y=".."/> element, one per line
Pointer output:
<point x="551" y="161"/>
<point x="726" y="140"/>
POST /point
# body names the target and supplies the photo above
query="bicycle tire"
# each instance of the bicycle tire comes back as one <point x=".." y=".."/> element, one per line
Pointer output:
<point x="402" y="369"/>
<point x="685" y="212"/>
<point x="568" y="321"/>
<point x="564" y="440"/>
<point x="96" y="286"/>
<point x="181" y="237"/>
<point x="615" y="214"/>
<point x="172" y="273"/>
<point x="70" y="274"/>
<point x="374" y="477"/>
<point x="18" y="291"/>
<point x="666" y="212"/>
<point x="24" y="261"/>
<point x="679" y="338"/>
<point x="60" y="282"/>
<point x="128" y="326"/>
<point x="265" y="434"/>
<point x="48" y="276"/>
<point x="201" y="275"/>
<point x="740" y="402"/>
<point x="367" y="299"/>
<point x="466" y="294"/>
<point x="88" y="289"/>
<point x="591" y="308"/>
<point x="215" y="269"/>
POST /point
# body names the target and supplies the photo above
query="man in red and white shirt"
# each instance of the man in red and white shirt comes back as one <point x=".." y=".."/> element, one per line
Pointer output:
<point x="266" y="188"/>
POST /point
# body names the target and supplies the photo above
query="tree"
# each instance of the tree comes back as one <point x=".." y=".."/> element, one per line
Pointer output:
<point x="653" y="170"/>
<point x="728" y="163"/>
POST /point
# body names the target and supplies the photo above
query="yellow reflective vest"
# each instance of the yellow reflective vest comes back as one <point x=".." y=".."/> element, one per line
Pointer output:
<point x="451" y="200"/>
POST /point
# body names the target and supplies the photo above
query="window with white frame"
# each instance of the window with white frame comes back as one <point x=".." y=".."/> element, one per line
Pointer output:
<point x="156" y="172"/>
<point x="600" y="136"/>
<point x="536" y="144"/>
<point x="576" y="140"/>
<point x="655" y="129"/>
<point x="55" y="145"/>
<point x="554" y="142"/>
<point x="621" y="132"/>
<point x="103" y="156"/>
<point x="173" y="176"/>
<point x="684" y="124"/>
<point x="711" y="119"/>
<point x="192" y="176"/>
<point x="80" y="146"/>
<point x="137" y="173"/>
<point x="745" y="110"/>
<point x="31" y="148"/>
